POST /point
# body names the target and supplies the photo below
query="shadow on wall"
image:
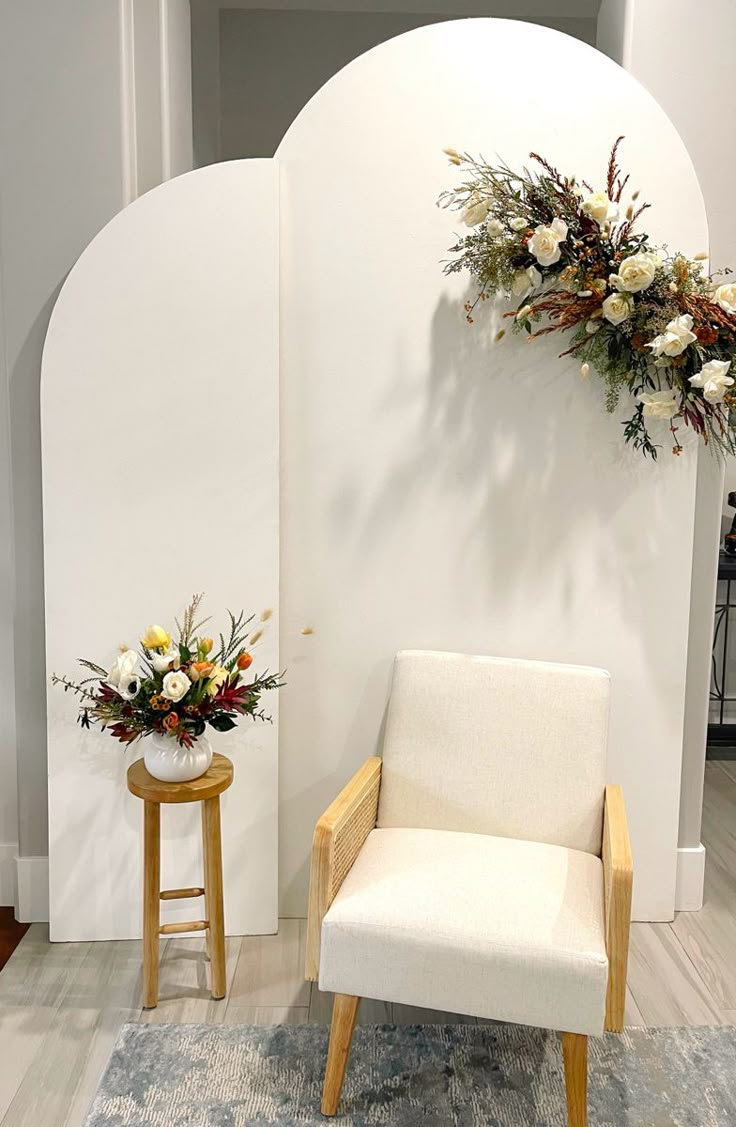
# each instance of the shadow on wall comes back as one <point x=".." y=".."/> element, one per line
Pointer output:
<point x="530" y="541"/>
<point x="30" y="627"/>
<point x="474" y="433"/>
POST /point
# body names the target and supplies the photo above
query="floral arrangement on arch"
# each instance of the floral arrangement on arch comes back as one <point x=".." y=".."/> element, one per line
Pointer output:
<point x="653" y="325"/>
<point x="176" y="687"/>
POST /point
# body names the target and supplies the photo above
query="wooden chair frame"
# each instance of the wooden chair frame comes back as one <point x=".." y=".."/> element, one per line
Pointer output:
<point x="338" y="838"/>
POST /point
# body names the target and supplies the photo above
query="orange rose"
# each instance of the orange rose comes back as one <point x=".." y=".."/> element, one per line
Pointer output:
<point x="171" y="723"/>
<point x="244" y="660"/>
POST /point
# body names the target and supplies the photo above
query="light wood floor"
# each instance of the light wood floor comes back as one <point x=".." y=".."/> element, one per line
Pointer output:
<point x="62" y="1005"/>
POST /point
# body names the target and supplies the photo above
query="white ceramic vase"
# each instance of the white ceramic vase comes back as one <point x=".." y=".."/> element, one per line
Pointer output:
<point x="168" y="761"/>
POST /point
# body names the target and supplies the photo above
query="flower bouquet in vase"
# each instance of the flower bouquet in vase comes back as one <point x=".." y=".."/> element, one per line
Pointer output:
<point x="172" y="689"/>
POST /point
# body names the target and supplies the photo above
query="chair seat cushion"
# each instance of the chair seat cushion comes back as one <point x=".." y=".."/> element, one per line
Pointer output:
<point x="488" y="926"/>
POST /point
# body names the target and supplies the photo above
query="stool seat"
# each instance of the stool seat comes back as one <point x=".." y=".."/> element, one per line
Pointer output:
<point x="216" y="779"/>
<point x="154" y="792"/>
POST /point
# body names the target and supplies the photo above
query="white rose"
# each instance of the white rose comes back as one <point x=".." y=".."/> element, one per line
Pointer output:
<point x="659" y="404"/>
<point x="176" y="685"/>
<point x="725" y="296"/>
<point x="476" y="210"/>
<point x="635" y="272"/>
<point x="617" y="307"/>
<point x="123" y="677"/>
<point x="598" y="206"/>
<point x="545" y="242"/>
<point x="168" y="660"/>
<point x="519" y="223"/>
<point x="525" y="280"/>
<point x="713" y="380"/>
<point x="675" y="339"/>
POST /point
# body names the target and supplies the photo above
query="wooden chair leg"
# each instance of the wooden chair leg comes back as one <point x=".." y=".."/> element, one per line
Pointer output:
<point x="213" y="893"/>
<point x="151" y="901"/>
<point x="575" y="1054"/>
<point x="344" y="1012"/>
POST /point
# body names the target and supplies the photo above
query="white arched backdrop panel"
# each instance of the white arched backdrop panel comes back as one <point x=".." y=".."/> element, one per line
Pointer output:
<point x="160" y="459"/>
<point x="438" y="489"/>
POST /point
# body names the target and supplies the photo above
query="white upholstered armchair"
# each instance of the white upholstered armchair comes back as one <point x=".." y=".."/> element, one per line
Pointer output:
<point x="482" y="866"/>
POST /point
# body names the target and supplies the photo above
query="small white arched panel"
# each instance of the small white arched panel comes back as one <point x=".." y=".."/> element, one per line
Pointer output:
<point x="160" y="451"/>
<point x="441" y="491"/>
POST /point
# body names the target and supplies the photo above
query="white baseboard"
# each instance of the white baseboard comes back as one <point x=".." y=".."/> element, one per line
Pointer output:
<point x="32" y="890"/>
<point x="690" y="879"/>
<point x="8" y="854"/>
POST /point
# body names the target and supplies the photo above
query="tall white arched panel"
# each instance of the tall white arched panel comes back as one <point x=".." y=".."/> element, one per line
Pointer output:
<point x="160" y="449"/>
<point x="441" y="490"/>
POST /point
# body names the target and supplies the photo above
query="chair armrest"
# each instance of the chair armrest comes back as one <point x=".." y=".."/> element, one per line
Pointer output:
<point x="618" y="877"/>
<point x="338" y="838"/>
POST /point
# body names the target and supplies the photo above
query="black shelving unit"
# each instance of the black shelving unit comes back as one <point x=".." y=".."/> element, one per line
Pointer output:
<point x="723" y="677"/>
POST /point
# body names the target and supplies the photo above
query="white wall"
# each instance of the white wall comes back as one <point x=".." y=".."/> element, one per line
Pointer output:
<point x="682" y="52"/>
<point x="60" y="180"/>
<point x="156" y="93"/>
<point x="176" y="88"/>
<point x="68" y="158"/>
<point x="8" y="770"/>
<point x="442" y="492"/>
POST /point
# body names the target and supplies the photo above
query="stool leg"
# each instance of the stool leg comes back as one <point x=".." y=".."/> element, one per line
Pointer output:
<point x="151" y="895"/>
<point x="205" y="862"/>
<point x="213" y="888"/>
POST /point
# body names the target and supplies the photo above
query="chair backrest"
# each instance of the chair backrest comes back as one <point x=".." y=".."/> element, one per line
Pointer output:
<point x="496" y="746"/>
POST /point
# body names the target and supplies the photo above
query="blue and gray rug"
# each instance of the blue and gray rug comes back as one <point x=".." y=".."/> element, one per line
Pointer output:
<point x="433" y="1075"/>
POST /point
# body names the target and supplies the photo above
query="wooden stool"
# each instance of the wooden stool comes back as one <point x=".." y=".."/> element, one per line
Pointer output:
<point x="207" y="790"/>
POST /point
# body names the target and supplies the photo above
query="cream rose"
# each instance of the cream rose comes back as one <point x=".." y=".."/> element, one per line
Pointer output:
<point x="525" y="280"/>
<point x="617" y="307"/>
<point x="476" y="211"/>
<point x="635" y="272"/>
<point x="124" y="677"/>
<point x="713" y="380"/>
<point x="725" y="296"/>
<point x="519" y="223"/>
<point x="176" y="685"/>
<point x="675" y="339"/>
<point x="659" y="404"/>
<point x="170" y="659"/>
<point x="545" y="242"/>
<point x="598" y="206"/>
